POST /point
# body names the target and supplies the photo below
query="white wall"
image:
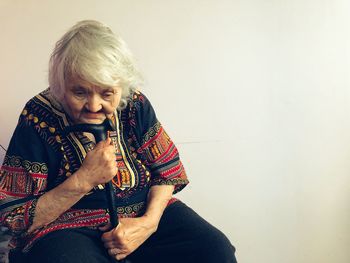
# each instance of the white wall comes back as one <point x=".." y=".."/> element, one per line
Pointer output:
<point x="255" y="93"/>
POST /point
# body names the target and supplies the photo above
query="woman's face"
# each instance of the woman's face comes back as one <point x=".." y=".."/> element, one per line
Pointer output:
<point x="87" y="103"/>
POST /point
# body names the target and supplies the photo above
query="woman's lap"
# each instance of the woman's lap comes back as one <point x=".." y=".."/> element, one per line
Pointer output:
<point x="182" y="236"/>
<point x="70" y="245"/>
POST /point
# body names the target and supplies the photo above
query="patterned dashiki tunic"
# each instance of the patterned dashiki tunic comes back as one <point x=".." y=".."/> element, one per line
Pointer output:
<point x="39" y="158"/>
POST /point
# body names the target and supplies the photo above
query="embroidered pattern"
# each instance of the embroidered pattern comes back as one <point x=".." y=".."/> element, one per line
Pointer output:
<point x="131" y="210"/>
<point x="163" y="158"/>
<point x="17" y="177"/>
<point x="126" y="175"/>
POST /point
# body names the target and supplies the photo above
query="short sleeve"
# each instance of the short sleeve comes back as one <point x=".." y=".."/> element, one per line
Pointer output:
<point x="23" y="177"/>
<point x="159" y="151"/>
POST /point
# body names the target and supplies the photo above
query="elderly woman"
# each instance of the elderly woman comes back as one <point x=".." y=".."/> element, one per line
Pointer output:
<point x="52" y="184"/>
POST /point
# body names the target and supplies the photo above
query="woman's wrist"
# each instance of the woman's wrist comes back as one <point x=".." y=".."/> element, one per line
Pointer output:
<point x="158" y="199"/>
<point x="82" y="185"/>
<point x="151" y="222"/>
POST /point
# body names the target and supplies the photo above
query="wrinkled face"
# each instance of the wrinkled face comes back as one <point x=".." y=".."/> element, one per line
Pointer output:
<point x="87" y="103"/>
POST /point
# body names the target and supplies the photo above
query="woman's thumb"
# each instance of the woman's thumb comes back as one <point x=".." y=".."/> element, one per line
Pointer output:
<point x="104" y="143"/>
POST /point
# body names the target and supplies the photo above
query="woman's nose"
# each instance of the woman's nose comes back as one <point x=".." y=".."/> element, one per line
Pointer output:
<point x="93" y="104"/>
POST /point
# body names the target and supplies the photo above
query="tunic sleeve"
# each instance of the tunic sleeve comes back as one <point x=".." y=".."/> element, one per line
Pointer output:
<point x="159" y="151"/>
<point x="23" y="177"/>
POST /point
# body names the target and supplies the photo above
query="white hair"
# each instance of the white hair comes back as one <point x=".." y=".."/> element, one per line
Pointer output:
<point x="92" y="52"/>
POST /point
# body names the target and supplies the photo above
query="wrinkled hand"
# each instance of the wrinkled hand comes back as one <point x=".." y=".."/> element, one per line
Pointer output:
<point x="127" y="236"/>
<point x="99" y="165"/>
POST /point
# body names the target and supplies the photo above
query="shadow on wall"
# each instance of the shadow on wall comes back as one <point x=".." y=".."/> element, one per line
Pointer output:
<point x="2" y="153"/>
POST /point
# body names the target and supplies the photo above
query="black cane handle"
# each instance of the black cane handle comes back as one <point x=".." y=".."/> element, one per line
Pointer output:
<point x="98" y="130"/>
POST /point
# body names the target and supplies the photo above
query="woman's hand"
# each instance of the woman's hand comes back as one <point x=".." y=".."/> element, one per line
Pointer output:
<point x="127" y="236"/>
<point x="132" y="232"/>
<point x="99" y="165"/>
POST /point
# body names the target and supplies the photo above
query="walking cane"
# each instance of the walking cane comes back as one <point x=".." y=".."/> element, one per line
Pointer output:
<point x="100" y="133"/>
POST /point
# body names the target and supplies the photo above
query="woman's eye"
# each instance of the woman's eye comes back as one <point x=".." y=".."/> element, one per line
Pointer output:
<point x="79" y="93"/>
<point x="108" y="95"/>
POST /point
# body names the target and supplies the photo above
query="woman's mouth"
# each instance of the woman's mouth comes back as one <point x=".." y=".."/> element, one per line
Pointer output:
<point x="94" y="115"/>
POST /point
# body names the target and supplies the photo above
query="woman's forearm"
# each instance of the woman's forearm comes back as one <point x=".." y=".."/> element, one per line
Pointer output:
<point x="58" y="200"/>
<point x="99" y="167"/>
<point x="158" y="198"/>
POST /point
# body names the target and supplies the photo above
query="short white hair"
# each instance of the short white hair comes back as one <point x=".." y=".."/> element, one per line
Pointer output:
<point x="92" y="52"/>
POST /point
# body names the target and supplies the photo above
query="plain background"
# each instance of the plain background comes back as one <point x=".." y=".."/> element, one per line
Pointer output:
<point x="255" y="93"/>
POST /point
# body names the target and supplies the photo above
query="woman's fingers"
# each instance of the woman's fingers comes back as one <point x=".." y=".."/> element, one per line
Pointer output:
<point x="100" y="164"/>
<point x="118" y="253"/>
<point x="103" y="144"/>
<point x="106" y="227"/>
<point x="114" y="234"/>
<point x="121" y="256"/>
<point x="115" y="251"/>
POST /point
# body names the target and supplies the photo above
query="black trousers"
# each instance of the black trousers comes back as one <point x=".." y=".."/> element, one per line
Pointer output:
<point x="182" y="237"/>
